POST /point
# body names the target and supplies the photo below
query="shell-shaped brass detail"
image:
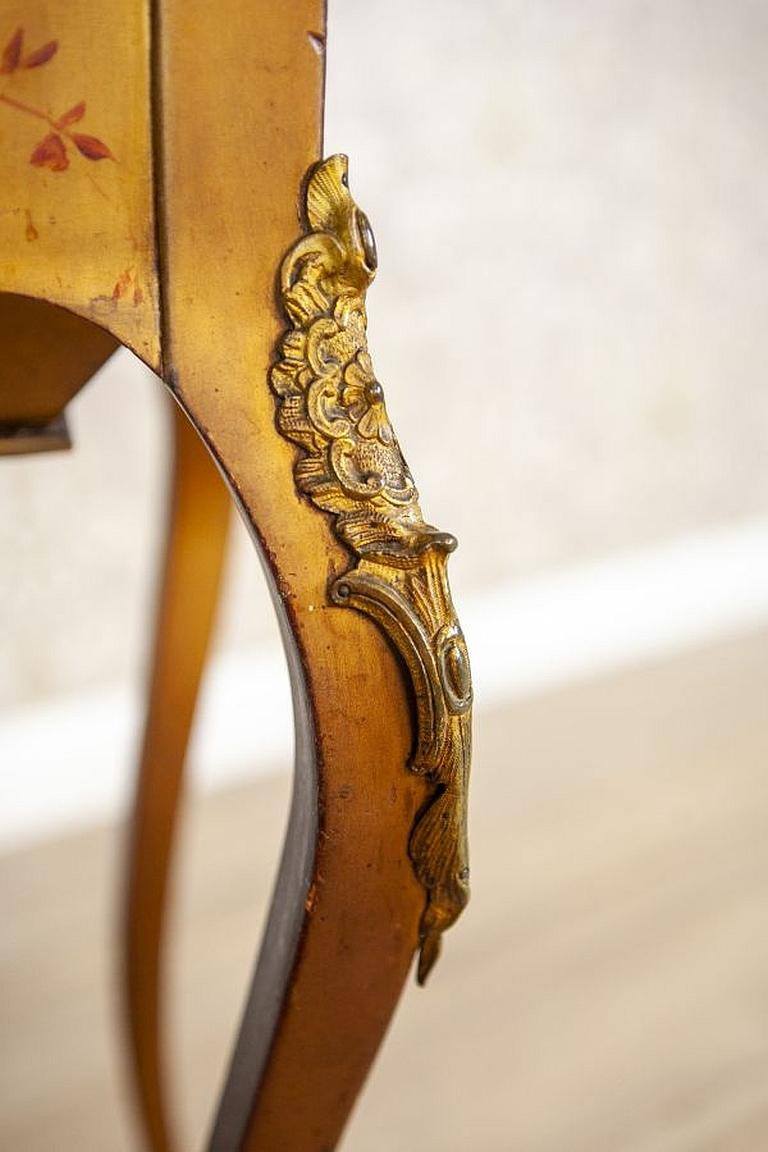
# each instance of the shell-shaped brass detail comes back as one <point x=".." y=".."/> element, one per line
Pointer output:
<point x="330" y="403"/>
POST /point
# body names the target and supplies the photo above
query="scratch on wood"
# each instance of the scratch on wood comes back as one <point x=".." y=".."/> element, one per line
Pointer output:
<point x="317" y="40"/>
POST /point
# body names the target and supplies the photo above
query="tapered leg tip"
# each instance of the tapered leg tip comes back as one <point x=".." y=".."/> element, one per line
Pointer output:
<point x="430" y="950"/>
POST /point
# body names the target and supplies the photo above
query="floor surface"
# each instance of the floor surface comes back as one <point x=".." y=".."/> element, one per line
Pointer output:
<point x="607" y="990"/>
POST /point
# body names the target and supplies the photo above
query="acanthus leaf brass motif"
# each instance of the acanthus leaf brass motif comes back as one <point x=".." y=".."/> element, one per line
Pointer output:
<point x="330" y="403"/>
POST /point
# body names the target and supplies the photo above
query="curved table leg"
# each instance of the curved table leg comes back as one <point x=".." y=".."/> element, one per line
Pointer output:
<point x="280" y="389"/>
<point x="375" y="864"/>
<point x="198" y="519"/>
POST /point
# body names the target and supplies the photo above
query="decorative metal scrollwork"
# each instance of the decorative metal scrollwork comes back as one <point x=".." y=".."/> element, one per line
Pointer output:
<point x="330" y="403"/>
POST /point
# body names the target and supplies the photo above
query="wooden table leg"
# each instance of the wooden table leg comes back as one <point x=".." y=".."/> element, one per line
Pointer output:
<point x="197" y="531"/>
<point x="187" y="249"/>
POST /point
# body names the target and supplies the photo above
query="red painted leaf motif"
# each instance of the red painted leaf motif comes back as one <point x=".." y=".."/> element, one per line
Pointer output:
<point x="122" y="285"/>
<point x="91" y="147"/>
<point x="50" y="153"/>
<point x="9" y="61"/>
<point x="41" y="55"/>
<point x="30" y="231"/>
<point x="72" y="116"/>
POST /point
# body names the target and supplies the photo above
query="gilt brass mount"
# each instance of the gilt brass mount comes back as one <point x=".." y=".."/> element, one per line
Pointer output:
<point x="330" y="403"/>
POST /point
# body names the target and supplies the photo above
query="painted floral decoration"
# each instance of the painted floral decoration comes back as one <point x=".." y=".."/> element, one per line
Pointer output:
<point x="52" y="151"/>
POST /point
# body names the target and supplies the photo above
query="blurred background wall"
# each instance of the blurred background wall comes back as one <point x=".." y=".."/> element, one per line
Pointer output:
<point x="569" y="315"/>
<point x="569" y="202"/>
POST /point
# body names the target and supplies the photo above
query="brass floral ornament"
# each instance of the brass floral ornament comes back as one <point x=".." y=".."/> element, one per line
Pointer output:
<point x="330" y="403"/>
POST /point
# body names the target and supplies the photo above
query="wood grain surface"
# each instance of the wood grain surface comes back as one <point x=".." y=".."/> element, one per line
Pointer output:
<point x="198" y="518"/>
<point x="207" y="204"/>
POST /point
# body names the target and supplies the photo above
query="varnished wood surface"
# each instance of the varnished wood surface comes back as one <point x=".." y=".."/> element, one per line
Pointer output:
<point x="82" y="237"/>
<point x="55" y="352"/>
<point x="345" y="920"/>
<point x="607" y="992"/>
<point x="199" y="513"/>
<point x="179" y="263"/>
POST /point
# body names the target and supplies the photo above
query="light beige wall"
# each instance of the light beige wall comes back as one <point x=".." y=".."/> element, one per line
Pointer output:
<point x="569" y="319"/>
